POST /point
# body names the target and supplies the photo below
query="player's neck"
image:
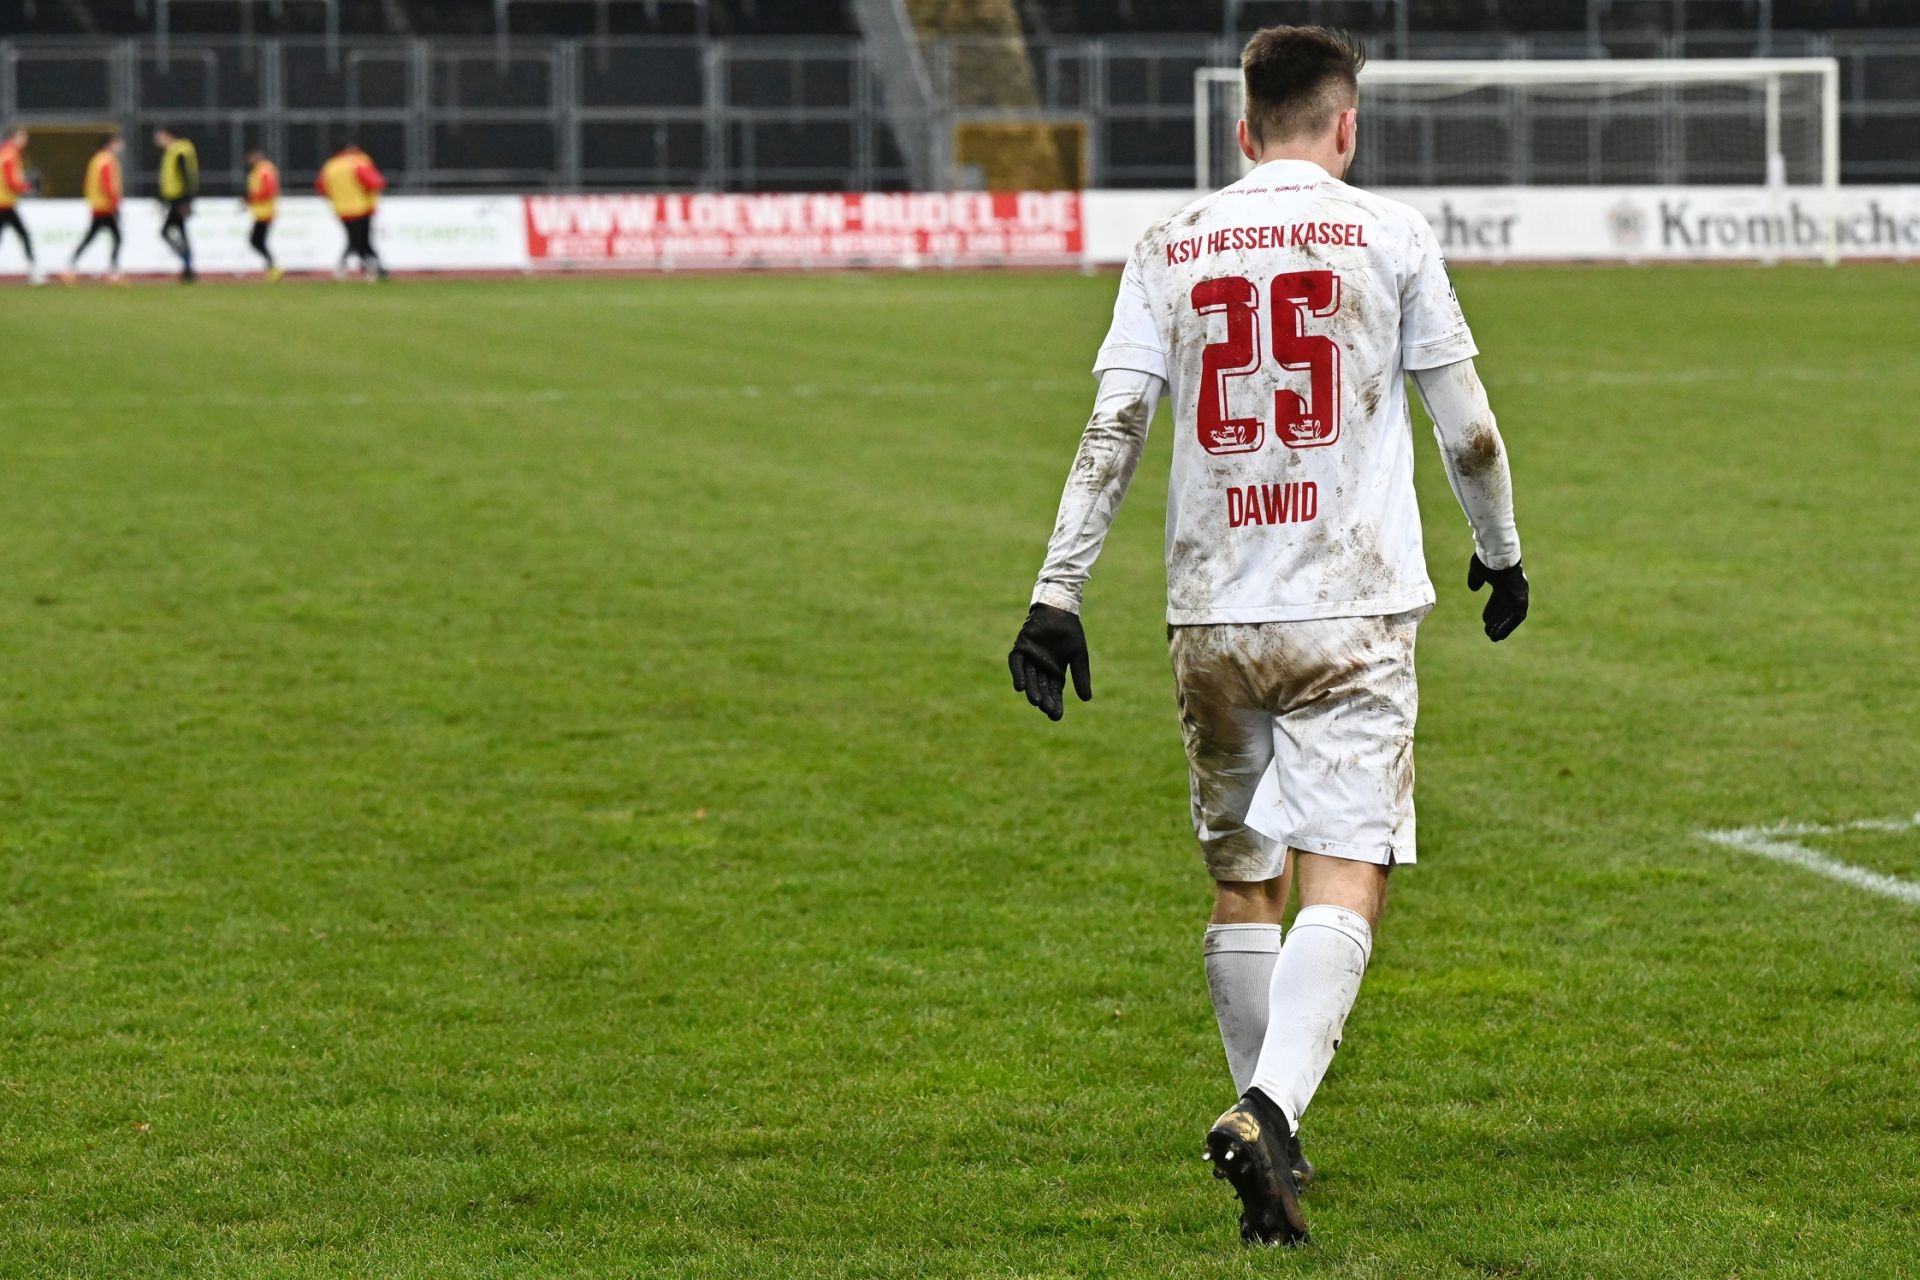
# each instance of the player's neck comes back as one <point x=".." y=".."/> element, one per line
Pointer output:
<point x="1327" y="157"/>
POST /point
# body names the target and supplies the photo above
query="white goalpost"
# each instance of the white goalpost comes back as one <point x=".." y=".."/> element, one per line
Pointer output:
<point x="1752" y="122"/>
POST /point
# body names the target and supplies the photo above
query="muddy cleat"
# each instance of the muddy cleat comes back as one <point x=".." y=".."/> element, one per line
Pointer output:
<point x="1252" y="1146"/>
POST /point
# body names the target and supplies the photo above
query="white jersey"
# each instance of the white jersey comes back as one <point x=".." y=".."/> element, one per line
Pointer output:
<point x="1284" y="312"/>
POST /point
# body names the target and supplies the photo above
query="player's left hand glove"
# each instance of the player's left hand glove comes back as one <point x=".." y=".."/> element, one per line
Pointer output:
<point x="1507" y="606"/>
<point x="1049" y="645"/>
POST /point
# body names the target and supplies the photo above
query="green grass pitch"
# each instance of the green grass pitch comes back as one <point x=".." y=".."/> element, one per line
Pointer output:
<point x="519" y="779"/>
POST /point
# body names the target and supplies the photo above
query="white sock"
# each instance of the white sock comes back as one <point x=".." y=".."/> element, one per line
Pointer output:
<point x="1315" y="982"/>
<point x="1240" y="977"/>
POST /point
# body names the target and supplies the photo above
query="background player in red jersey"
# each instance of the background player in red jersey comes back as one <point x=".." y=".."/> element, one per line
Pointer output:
<point x="263" y="202"/>
<point x="104" y="189"/>
<point x="13" y="185"/>
<point x="352" y="184"/>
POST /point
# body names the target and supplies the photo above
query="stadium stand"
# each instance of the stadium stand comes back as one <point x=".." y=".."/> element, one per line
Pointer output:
<point x="798" y="95"/>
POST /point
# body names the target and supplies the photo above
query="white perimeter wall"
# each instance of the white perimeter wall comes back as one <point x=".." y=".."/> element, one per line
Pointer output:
<point x="1622" y="224"/>
<point x="491" y="233"/>
<point x="412" y="233"/>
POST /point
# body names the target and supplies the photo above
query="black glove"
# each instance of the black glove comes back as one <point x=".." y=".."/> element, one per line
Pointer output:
<point x="1507" y="606"/>
<point x="1050" y="644"/>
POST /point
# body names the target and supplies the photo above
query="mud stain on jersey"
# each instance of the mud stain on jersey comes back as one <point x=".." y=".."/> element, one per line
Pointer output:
<point x="1354" y="305"/>
<point x="1480" y="452"/>
<point x="1372" y="575"/>
<point x="1370" y="397"/>
<point x="1190" y="580"/>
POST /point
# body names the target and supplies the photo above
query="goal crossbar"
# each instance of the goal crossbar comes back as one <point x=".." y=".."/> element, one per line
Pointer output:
<point x="1815" y="81"/>
<point x="1549" y="70"/>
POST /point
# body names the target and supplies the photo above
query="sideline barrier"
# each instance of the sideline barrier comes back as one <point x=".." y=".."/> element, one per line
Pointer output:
<point x="968" y="229"/>
<point x="1601" y="224"/>
<point x="942" y="229"/>
<point x="413" y="233"/>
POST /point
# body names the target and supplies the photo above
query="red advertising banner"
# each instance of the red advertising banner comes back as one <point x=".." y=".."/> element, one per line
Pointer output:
<point x="890" y="229"/>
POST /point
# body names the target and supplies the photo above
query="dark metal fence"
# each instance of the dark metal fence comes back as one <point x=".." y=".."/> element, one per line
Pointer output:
<point x="804" y="113"/>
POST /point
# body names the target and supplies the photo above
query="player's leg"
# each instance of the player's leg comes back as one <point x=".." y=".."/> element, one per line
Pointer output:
<point x="113" y="256"/>
<point x="368" y="254"/>
<point x="1316" y="977"/>
<point x="1340" y="795"/>
<point x="174" y="233"/>
<point x="93" y="229"/>
<point x="1228" y="743"/>
<point x="1228" y="733"/>
<point x="10" y="217"/>
<point x="1242" y="942"/>
<point x="261" y="226"/>
<point x="1343" y="798"/>
<point x="186" y="248"/>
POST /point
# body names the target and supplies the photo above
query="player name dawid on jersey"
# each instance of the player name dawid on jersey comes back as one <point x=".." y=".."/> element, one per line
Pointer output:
<point x="1284" y="312"/>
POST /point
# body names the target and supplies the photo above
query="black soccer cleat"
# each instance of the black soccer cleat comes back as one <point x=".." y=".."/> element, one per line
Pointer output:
<point x="1250" y="1146"/>
<point x="1297" y="1160"/>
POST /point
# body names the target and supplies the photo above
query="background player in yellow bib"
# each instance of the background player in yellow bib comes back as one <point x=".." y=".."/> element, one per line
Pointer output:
<point x="263" y="202"/>
<point x="1283" y="315"/>
<point x="352" y="184"/>
<point x="104" y="190"/>
<point x="179" y="184"/>
<point x="13" y="185"/>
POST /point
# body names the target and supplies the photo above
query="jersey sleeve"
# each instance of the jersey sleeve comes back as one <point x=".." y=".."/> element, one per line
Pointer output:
<point x="1133" y="342"/>
<point x="1433" y="330"/>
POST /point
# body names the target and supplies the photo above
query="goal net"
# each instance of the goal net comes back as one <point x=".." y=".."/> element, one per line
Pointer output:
<point x="1671" y="122"/>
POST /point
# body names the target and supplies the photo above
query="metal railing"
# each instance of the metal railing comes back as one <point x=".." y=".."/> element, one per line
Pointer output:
<point x="738" y="114"/>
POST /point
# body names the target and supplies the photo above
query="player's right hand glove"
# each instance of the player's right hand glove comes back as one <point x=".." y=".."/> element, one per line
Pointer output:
<point x="1507" y="606"/>
<point x="1049" y="645"/>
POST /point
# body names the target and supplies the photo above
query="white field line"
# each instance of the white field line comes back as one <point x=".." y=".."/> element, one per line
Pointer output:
<point x="1781" y="842"/>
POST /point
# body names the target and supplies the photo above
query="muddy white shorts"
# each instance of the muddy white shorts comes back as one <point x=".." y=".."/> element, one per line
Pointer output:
<point x="1299" y="735"/>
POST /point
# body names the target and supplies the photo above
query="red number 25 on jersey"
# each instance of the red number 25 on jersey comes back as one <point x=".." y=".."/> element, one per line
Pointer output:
<point x="1300" y="422"/>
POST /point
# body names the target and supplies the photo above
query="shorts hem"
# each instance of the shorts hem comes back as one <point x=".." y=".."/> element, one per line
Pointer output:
<point x="1250" y="872"/>
<point x="1380" y="855"/>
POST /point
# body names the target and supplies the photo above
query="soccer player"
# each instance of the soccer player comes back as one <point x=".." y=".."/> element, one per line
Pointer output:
<point x="353" y="185"/>
<point x="103" y="189"/>
<point x="13" y="185"/>
<point x="1282" y="314"/>
<point x="263" y="202"/>
<point x="179" y="184"/>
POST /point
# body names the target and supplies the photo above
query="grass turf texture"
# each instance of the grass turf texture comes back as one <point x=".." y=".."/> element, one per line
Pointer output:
<point x="519" y="779"/>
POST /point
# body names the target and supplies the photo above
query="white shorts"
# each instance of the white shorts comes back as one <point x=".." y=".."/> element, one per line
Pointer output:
<point x="1299" y="736"/>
